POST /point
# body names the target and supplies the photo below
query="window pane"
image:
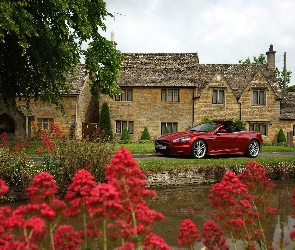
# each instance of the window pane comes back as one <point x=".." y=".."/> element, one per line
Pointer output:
<point x="169" y="125"/>
<point x="176" y="95"/>
<point x="129" y="96"/>
<point x="174" y="127"/>
<point x="221" y="96"/>
<point x="214" y="96"/>
<point x="117" y="97"/>
<point x="130" y="127"/>
<point x="255" y="97"/>
<point x="45" y="124"/>
<point x="170" y="95"/>
<point x="163" y="95"/>
<point x="39" y="121"/>
<point x="118" y="127"/>
<point x="163" y="126"/>
<point x="261" y="98"/>
<point x="123" y="95"/>
<point x="257" y="128"/>
<point x="251" y="127"/>
<point x="263" y="129"/>
<point x="124" y="125"/>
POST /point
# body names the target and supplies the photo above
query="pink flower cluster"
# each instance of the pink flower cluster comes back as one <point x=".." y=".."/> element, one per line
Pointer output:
<point x="112" y="211"/>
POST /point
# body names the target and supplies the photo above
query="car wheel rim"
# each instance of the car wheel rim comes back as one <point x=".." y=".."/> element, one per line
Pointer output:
<point x="253" y="148"/>
<point x="199" y="149"/>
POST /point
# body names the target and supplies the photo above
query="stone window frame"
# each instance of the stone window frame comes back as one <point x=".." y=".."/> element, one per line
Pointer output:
<point x="170" y="94"/>
<point x="125" y="96"/>
<point x="261" y="94"/>
<point x="44" y="123"/>
<point x="261" y="127"/>
<point x="172" y="126"/>
<point x="122" y="124"/>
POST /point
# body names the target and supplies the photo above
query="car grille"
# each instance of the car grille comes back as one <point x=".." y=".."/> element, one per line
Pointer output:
<point x="164" y="143"/>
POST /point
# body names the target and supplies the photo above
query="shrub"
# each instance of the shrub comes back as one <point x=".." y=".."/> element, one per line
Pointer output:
<point x="281" y="139"/>
<point x="207" y="120"/>
<point x="238" y="125"/>
<point x="125" y="138"/>
<point x="105" y="120"/>
<point x="145" y="135"/>
<point x="167" y="131"/>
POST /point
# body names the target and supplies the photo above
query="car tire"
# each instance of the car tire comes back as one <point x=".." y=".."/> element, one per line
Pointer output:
<point x="199" y="149"/>
<point x="253" y="149"/>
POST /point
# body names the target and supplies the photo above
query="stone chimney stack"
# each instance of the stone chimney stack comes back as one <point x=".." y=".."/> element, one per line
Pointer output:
<point x="113" y="39"/>
<point x="270" y="58"/>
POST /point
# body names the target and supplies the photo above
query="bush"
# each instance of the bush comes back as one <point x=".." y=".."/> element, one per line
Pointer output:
<point x="281" y="139"/>
<point x="167" y="131"/>
<point x="207" y="120"/>
<point x="125" y="138"/>
<point x="238" y="125"/>
<point x="105" y="121"/>
<point x="145" y="135"/>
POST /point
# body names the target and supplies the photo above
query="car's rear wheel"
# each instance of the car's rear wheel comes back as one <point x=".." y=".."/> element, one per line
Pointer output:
<point x="253" y="148"/>
<point x="199" y="149"/>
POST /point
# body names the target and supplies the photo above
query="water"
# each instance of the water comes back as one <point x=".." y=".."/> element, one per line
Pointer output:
<point x="191" y="202"/>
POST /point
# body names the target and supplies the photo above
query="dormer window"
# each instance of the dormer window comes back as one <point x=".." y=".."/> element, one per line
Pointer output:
<point x="218" y="96"/>
<point x="258" y="96"/>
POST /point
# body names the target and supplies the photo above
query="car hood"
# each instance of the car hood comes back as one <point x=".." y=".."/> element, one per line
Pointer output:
<point x="172" y="136"/>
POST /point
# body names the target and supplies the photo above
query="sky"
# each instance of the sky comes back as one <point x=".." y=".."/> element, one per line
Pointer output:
<point x="220" y="31"/>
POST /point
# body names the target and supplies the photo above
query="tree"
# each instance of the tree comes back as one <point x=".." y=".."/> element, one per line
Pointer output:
<point x="125" y="138"/>
<point x="281" y="139"/>
<point x="145" y="136"/>
<point x="280" y="74"/>
<point x="104" y="122"/>
<point x="42" y="41"/>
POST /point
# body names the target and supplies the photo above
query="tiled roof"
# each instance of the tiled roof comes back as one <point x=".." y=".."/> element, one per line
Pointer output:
<point x="184" y="70"/>
<point x="288" y="106"/>
<point x="78" y="80"/>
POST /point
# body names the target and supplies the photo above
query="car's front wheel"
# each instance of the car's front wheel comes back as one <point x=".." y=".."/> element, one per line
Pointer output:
<point x="199" y="149"/>
<point x="253" y="148"/>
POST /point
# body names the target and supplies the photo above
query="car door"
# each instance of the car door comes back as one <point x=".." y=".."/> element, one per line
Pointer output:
<point x="225" y="142"/>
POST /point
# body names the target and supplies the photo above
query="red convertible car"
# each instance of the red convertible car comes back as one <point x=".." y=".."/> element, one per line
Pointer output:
<point x="209" y="139"/>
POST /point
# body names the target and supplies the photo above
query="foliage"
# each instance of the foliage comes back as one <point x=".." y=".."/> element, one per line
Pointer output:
<point x="145" y="136"/>
<point x="125" y="137"/>
<point x="238" y="125"/>
<point x="281" y="138"/>
<point x="280" y="74"/>
<point x="280" y="77"/>
<point x="116" y="212"/>
<point x="207" y="120"/>
<point x="167" y="131"/>
<point x="42" y="42"/>
<point x="104" y="122"/>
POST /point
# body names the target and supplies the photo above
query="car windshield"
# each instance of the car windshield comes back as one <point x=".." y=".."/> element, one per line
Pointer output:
<point x="204" y="127"/>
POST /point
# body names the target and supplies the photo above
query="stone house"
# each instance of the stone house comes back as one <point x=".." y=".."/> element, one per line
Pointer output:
<point x="79" y="107"/>
<point x="173" y="90"/>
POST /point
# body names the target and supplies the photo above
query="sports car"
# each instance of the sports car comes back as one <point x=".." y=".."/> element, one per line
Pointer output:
<point x="210" y="139"/>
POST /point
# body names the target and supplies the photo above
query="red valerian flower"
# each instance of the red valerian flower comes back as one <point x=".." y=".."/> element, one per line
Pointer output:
<point x="212" y="237"/>
<point x="154" y="242"/>
<point x="3" y="187"/>
<point x="188" y="234"/>
<point x="43" y="188"/>
<point x="66" y="238"/>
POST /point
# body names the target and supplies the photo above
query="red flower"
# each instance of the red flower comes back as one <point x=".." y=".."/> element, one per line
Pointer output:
<point x="154" y="242"/>
<point x="3" y="187"/>
<point x="65" y="238"/>
<point x="188" y="233"/>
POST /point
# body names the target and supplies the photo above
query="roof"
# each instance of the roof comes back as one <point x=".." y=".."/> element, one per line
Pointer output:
<point x="78" y="80"/>
<point x="184" y="70"/>
<point x="288" y="106"/>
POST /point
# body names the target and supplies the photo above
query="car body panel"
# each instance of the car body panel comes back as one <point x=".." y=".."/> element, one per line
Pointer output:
<point x="218" y="140"/>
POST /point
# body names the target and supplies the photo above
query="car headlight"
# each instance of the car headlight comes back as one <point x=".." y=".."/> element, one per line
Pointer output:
<point x="181" y="139"/>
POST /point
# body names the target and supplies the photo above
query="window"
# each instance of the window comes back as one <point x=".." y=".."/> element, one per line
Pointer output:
<point x="171" y="126"/>
<point x="170" y="95"/>
<point x="293" y="130"/>
<point x="45" y="123"/>
<point x="258" y="97"/>
<point x="126" y="95"/>
<point x="121" y="125"/>
<point x="217" y="96"/>
<point x="258" y="127"/>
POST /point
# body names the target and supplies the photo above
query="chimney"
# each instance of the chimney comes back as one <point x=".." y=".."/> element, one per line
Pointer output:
<point x="113" y="39"/>
<point x="270" y="58"/>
